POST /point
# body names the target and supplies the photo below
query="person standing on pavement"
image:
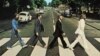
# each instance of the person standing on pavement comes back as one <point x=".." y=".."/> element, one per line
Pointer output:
<point x="80" y="32"/>
<point x="58" y="33"/>
<point x="15" y="31"/>
<point x="38" y="29"/>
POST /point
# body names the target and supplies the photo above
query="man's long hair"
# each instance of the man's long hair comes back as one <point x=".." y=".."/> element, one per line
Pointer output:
<point x="37" y="15"/>
<point x="82" y="16"/>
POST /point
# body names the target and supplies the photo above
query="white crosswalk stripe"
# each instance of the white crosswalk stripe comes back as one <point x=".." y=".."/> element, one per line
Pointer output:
<point x="14" y="51"/>
<point x="98" y="39"/>
<point x="38" y="50"/>
<point x="90" y="50"/>
<point x="67" y="51"/>
<point x="3" y="41"/>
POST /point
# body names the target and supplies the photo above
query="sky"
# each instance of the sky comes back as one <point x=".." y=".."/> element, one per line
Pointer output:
<point x="48" y="1"/>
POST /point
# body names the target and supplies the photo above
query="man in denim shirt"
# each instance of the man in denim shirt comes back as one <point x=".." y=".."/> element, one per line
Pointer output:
<point x="14" y="32"/>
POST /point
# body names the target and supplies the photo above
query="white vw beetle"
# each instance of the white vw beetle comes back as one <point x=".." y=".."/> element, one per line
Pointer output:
<point x="24" y="17"/>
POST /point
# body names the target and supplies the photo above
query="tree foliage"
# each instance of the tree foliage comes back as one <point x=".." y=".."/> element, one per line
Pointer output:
<point x="55" y="3"/>
<point x="64" y="1"/>
<point x="40" y="3"/>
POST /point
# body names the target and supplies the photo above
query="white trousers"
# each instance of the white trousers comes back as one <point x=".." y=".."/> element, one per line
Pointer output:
<point x="80" y="38"/>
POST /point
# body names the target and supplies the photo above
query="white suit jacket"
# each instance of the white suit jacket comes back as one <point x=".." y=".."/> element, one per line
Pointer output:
<point x="81" y="26"/>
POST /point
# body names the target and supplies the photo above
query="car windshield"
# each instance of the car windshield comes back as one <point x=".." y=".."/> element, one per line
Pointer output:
<point x="22" y="14"/>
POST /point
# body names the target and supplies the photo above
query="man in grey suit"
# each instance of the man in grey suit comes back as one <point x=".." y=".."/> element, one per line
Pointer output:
<point x="38" y="29"/>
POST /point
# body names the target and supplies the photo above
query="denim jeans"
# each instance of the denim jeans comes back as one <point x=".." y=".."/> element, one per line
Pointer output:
<point x="13" y="34"/>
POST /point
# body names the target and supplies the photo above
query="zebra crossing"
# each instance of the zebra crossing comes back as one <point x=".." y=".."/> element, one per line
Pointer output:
<point x="3" y="41"/>
<point x="98" y="39"/>
<point x="15" y="50"/>
<point x="64" y="52"/>
<point x="40" y="51"/>
<point x="90" y="50"/>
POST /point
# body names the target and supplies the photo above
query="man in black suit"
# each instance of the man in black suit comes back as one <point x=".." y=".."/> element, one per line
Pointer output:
<point x="38" y="29"/>
<point x="58" y="33"/>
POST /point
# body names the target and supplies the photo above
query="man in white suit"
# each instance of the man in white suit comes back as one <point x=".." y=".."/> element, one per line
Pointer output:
<point x="80" y="32"/>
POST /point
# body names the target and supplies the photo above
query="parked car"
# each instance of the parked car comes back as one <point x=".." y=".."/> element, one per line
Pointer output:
<point x="67" y="13"/>
<point x="41" y="11"/>
<point x="24" y="16"/>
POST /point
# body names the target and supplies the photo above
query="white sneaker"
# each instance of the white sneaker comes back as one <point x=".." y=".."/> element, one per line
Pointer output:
<point x="8" y="48"/>
<point x="24" y="46"/>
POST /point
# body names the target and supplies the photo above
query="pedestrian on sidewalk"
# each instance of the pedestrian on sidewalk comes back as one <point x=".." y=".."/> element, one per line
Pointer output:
<point x="38" y="29"/>
<point x="58" y="33"/>
<point x="15" y="31"/>
<point x="80" y="32"/>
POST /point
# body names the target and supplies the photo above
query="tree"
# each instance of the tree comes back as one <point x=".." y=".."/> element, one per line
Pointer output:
<point x="32" y="4"/>
<point x="64" y="1"/>
<point x="90" y="4"/>
<point x="55" y="3"/>
<point x="44" y="3"/>
<point x="49" y="4"/>
<point x="39" y="3"/>
<point x="26" y="4"/>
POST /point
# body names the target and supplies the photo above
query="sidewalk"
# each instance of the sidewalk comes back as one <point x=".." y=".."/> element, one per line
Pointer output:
<point x="93" y="23"/>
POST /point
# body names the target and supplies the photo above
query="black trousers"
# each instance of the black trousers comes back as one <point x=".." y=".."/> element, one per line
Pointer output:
<point x="36" y="38"/>
<point x="55" y="39"/>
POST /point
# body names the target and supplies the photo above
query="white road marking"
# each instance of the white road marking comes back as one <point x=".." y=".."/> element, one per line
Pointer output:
<point x="38" y="50"/>
<point x="54" y="27"/>
<point x="98" y="39"/>
<point x="65" y="52"/>
<point x="90" y="50"/>
<point x="14" y="51"/>
<point x="53" y="22"/>
<point x="3" y="41"/>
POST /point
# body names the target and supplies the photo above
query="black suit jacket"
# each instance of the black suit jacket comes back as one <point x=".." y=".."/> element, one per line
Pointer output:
<point x="58" y="30"/>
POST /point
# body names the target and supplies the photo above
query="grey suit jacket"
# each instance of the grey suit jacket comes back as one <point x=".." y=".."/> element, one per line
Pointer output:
<point x="37" y="26"/>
